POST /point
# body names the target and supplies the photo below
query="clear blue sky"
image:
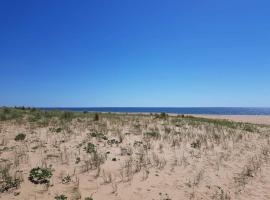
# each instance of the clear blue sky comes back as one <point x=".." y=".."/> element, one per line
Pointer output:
<point x="135" y="53"/>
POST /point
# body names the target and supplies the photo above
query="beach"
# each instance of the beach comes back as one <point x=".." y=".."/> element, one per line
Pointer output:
<point x="255" y="119"/>
<point x="99" y="156"/>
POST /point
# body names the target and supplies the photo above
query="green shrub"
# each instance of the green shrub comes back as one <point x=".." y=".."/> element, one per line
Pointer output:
<point x="66" y="179"/>
<point x="98" y="135"/>
<point x="196" y="144"/>
<point x="78" y="159"/>
<point x="20" y="137"/>
<point x="60" y="197"/>
<point x="40" y="175"/>
<point x="112" y="141"/>
<point x="90" y="148"/>
<point x="88" y="198"/>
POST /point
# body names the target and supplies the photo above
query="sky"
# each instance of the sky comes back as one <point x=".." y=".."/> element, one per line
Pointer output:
<point x="173" y="53"/>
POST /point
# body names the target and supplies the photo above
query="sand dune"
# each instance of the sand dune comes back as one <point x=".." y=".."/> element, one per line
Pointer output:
<point x="129" y="157"/>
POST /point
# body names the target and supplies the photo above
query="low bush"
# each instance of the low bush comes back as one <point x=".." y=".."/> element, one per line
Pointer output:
<point x="40" y="175"/>
<point x="60" y="197"/>
<point x="90" y="148"/>
<point x="66" y="179"/>
<point x="20" y="137"/>
<point x="196" y="144"/>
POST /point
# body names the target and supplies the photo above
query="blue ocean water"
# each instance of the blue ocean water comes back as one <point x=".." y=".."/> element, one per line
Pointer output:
<point x="177" y="110"/>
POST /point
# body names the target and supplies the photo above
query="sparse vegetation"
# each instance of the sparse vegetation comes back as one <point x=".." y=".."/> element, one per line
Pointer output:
<point x="76" y="150"/>
<point x="7" y="181"/>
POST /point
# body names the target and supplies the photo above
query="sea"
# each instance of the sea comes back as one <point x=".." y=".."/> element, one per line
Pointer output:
<point x="173" y="110"/>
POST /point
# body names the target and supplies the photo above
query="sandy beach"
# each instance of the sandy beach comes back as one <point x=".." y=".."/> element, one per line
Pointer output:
<point x="256" y="119"/>
<point x="100" y="156"/>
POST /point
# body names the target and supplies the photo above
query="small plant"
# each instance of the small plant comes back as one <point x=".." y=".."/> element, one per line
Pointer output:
<point x="78" y="159"/>
<point x="114" y="159"/>
<point x="60" y="197"/>
<point x="196" y="144"/>
<point x="164" y="196"/>
<point x="112" y="141"/>
<point x="88" y="198"/>
<point x="90" y="148"/>
<point x="98" y="135"/>
<point x="152" y="134"/>
<point x="20" y="137"/>
<point x="66" y="179"/>
<point x="7" y="182"/>
<point x="56" y="130"/>
<point x="40" y="175"/>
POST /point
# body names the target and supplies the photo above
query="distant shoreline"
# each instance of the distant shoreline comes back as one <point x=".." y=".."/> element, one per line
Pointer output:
<point x="172" y="110"/>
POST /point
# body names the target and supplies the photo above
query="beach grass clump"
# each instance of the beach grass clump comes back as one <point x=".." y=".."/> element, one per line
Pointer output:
<point x="56" y="130"/>
<point x="90" y="148"/>
<point x="196" y="144"/>
<point x="98" y="135"/>
<point x="66" y="116"/>
<point x="10" y="114"/>
<point x="7" y="181"/>
<point x="66" y="179"/>
<point x="40" y="175"/>
<point x="60" y="197"/>
<point x="112" y="141"/>
<point x="152" y="134"/>
<point x="20" y="137"/>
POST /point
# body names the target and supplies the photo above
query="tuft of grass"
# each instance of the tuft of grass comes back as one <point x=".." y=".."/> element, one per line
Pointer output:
<point x="98" y="135"/>
<point x="196" y="144"/>
<point x="7" y="182"/>
<point x="66" y="179"/>
<point x="152" y="134"/>
<point x="20" y="137"/>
